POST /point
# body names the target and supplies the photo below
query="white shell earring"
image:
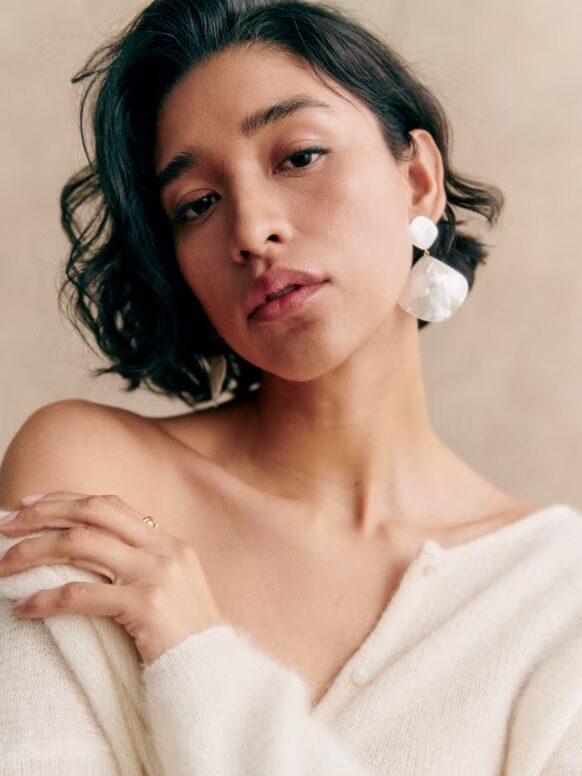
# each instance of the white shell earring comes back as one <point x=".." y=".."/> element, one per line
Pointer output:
<point x="434" y="290"/>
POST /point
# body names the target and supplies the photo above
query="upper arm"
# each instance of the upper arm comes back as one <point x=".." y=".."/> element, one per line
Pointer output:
<point x="46" y="717"/>
<point x="73" y="445"/>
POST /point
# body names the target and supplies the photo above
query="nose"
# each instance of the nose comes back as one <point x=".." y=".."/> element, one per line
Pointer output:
<point x="258" y="221"/>
<point x="243" y="255"/>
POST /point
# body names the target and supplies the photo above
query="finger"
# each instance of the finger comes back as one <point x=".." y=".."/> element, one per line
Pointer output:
<point x="108" y="512"/>
<point x="85" y="548"/>
<point x="53" y="496"/>
<point x="56" y="494"/>
<point x="8" y="521"/>
<point x="80" y="597"/>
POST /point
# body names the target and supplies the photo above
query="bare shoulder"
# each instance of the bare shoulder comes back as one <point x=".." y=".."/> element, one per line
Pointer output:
<point x="76" y="445"/>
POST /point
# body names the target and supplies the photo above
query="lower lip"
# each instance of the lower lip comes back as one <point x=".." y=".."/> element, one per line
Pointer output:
<point x="288" y="303"/>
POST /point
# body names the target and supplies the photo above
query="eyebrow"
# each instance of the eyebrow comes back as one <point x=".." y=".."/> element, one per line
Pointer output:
<point x="188" y="159"/>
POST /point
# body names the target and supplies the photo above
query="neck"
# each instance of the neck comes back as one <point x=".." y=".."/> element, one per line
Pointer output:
<point x="354" y="448"/>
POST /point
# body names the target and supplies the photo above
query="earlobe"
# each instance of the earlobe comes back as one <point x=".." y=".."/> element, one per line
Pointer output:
<point x="426" y="177"/>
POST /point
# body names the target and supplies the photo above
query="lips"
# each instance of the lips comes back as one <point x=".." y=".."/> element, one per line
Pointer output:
<point x="271" y="283"/>
<point x="286" y="304"/>
<point x="286" y="290"/>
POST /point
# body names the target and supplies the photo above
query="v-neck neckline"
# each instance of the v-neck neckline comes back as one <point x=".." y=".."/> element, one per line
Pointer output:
<point x="429" y="548"/>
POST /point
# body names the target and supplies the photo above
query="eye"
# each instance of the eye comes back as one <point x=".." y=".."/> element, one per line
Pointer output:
<point x="199" y="203"/>
<point x="196" y="204"/>
<point x="306" y="152"/>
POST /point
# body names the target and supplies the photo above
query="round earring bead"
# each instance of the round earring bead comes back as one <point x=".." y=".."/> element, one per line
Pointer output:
<point x="423" y="232"/>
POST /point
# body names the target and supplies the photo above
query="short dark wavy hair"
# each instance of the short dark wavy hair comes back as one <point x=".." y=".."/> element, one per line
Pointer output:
<point x="125" y="285"/>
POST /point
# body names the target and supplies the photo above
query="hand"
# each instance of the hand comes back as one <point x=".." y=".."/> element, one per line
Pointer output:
<point x="156" y="587"/>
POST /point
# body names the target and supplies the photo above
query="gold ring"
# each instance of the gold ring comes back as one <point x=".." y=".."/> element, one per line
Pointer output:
<point x="150" y="521"/>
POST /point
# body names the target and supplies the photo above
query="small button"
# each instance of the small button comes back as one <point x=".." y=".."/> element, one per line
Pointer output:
<point x="360" y="676"/>
<point x="429" y="569"/>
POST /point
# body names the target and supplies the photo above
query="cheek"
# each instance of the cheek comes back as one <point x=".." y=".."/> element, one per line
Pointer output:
<point x="192" y="273"/>
<point x="212" y="292"/>
<point x="203" y="284"/>
<point x="366" y="226"/>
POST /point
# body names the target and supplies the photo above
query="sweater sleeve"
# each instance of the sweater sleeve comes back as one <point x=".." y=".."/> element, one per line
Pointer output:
<point x="46" y="726"/>
<point x="566" y="760"/>
<point x="218" y="704"/>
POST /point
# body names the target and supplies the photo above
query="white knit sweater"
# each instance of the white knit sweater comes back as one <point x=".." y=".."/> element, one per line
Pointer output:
<point x="474" y="669"/>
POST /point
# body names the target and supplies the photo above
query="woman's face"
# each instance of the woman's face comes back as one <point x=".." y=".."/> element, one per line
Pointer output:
<point x="343" y="214"/>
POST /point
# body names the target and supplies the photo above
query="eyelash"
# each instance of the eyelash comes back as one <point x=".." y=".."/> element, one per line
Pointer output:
<point x="180" y="215"/>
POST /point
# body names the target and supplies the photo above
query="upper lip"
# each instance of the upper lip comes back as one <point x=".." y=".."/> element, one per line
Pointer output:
<point x="277" y="280"/>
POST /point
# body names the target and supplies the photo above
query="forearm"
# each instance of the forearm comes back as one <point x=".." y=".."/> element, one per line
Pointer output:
<point x="218" y="705"/>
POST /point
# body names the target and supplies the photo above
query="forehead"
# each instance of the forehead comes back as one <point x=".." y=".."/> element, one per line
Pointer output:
<point x="215" y="97"/>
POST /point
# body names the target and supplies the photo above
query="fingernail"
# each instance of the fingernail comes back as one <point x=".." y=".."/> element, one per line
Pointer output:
<point x="8" y="517"/>
<point x="26" y="500"/>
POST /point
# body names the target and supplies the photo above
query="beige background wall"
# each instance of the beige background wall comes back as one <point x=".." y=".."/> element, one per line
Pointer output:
<point x="504" y="375"/>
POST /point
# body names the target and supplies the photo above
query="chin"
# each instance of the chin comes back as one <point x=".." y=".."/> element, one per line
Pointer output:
<point x="305" y="354"/>
<point x="310" y="366"/>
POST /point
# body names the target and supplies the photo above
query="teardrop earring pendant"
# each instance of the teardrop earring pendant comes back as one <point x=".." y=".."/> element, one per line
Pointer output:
<point x="434" y="290"/>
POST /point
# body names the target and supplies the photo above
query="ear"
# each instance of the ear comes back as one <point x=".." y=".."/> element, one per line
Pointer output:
<point x="424" y="175"/>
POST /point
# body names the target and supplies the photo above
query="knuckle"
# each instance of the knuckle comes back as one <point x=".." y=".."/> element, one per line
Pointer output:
<point x="112" y="500"/>
<point x="185" y="552"/>
<point x="70" y="593"/>
<point x="168" y="564"/>
<point x="18" y="552"/>
<point x="100" y="503"/>
<point x="77" y="534"/>
<point x="174" y="563"/>
<point x="33" y="511"/>
<point x="93" y="503"/>
<point x="153" y="597"/>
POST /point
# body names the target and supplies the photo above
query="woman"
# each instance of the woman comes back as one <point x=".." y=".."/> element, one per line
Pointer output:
<point x="329" y="589"/>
